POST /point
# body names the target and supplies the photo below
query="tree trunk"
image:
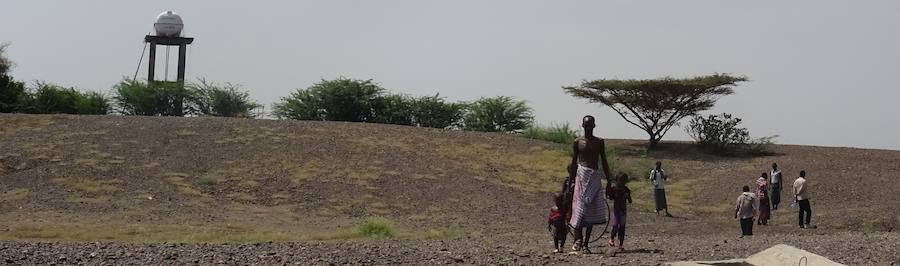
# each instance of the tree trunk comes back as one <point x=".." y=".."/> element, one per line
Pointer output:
<point x="653" y="143"/>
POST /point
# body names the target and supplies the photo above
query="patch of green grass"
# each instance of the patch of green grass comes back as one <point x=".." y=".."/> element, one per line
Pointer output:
<point x="375" y="227"/>
<point x="558" y="133"/>
<point x="207" y="181"/>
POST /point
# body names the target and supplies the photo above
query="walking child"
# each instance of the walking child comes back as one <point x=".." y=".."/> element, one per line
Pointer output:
<point x="556" y="223"/>
<point x="619" y="193"/>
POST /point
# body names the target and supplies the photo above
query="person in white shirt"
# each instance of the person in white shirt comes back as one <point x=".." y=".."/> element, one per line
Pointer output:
<point x="745" y="209"/>
<point x="658" y="178"/>
<point x="801" y="195"/>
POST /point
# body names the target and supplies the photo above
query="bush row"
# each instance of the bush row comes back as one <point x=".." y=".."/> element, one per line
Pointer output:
<point x="129" y="97"/>
<point x="339" y="99"/>
<point x="365" y="101"/>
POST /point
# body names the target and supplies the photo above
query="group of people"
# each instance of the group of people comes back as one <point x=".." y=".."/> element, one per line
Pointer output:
<point x="760" y="205"/>
<point x="581" y="203"/>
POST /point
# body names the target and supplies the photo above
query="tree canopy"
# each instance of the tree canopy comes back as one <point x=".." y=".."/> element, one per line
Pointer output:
<point x="655" y="105"/>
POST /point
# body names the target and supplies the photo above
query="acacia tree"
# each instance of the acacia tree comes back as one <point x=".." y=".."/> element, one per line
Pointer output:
<point x="5" y="63"/>
<point x="655" y="105"/>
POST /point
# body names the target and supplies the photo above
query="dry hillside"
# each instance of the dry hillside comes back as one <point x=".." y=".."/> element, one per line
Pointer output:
<point x="165" y="179"/>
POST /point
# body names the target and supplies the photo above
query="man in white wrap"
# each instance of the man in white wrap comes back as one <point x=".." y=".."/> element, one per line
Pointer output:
<point x="588" y="204"/>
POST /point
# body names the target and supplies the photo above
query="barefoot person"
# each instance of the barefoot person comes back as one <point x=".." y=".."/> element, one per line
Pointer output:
<point x="801" y="195"/>
<point x="745" y="210"/>
<point x="658" y="177"/>
<point x="588" y="204"/>
<point x="762" y="190"/>
<point x="556" y="223"/>
<point x="619" y="193"/>
<point x="775" y="185"/>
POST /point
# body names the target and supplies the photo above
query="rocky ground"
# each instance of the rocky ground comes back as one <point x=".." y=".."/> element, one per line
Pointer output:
<point x="847" y="248"/>
<point x="137" y="183"/>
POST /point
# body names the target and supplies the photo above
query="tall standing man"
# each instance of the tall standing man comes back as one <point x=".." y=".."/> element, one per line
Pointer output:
<point x="658" y="177"/>
<point x="775" y="185"/>
<point x="588" y="203"/>
<point x="801" y="194"/>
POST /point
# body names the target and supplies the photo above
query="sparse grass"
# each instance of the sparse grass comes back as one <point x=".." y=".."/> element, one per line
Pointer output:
<point x="441" y="233"/>
<point x="141" y="233"/>
<point x="178" y="179"/>
<point x="379" y="208"/>
<point x="87" y="162"/>
<point x="558" y="133"/>
<point x="207" y="181"/>
<point x="24" y="123"/>
<point x="185" y="132"/>
<point x="391" y="143"/>
<point x="93" y="186"/>
<point x="372" y="227"/>
<point x="248" y="183"/>
<point x="537" y="170"/>
<point x="14" y="194"/>
<point x="242" y="196"/>
<point x="359" y="172"/>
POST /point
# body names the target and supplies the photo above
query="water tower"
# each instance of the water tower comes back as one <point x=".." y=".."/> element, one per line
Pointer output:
<point x="168" y="33"/>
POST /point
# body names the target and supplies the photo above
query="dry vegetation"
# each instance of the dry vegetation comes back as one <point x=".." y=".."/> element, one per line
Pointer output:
<point x="154" y="179"/>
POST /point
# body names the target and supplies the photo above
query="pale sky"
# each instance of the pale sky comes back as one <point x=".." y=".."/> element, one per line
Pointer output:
<point x="821" y="72"/>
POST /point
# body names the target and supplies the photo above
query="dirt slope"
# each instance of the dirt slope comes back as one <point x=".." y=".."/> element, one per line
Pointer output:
<point x="163" y="179"/>
<point x="274" y="179"/>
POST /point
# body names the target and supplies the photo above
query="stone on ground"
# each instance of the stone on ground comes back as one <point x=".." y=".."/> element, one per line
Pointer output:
<point x="777" y="255"/>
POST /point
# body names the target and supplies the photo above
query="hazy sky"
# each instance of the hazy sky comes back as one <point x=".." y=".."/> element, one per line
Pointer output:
<point x="821" y="72"/>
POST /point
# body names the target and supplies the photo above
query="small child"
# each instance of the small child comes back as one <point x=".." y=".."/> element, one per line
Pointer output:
<point x="746" y="209"/>
<point x="619" y="193"/>
<point x="556" y="223"/>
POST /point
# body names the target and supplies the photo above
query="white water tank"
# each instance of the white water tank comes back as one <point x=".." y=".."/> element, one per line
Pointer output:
<point x="168" y="24"/>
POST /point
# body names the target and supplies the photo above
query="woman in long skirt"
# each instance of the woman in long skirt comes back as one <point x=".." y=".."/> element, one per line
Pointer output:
<point x="762" y="190"/>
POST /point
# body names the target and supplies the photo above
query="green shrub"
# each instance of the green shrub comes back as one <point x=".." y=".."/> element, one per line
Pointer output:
<point x="393" y="109"/>
<point x="560" y="133"/>
<point x="52" y="99"/>
<point x="340" y="99"/>
<point x="227" y="100"/>
<point x="433" y="111"/>
<point x="498" y="114"/>
<point x="49" y="98"/>
<point x="721" y="134"/>
<point x="134" y="97"/>
<point x="94" y="103"/>
<point x="13" y="96"/>
<point x="375" y="227"/>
